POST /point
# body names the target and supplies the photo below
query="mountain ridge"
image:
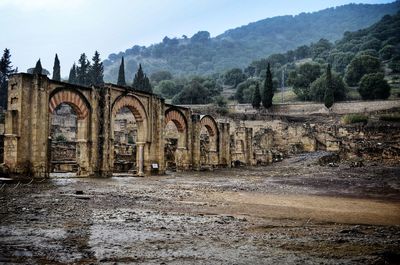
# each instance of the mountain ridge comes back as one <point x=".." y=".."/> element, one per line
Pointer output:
<point x="237" y="47"/>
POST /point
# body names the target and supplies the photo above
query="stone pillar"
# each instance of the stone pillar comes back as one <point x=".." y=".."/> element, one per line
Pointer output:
<point x="249" y="146"/>
<point x="82" y="146"/>
<point x="140" y="157"/>
<point x="224" y="144"/>
<point x="196" y="127"/>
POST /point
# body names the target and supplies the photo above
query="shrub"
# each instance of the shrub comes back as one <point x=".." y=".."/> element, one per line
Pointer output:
<point x="390" y="117"/>
<point x="317" y="89"/>
<point x="373" y="86"/>
<point x="354" y="118"/>
<point x="360" y="66"/>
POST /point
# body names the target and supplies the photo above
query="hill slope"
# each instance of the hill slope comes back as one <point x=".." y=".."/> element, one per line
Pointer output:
<point x="201" y="54"/>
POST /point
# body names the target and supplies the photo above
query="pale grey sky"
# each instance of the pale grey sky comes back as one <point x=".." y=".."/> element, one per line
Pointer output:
<point x="35" y="29"/>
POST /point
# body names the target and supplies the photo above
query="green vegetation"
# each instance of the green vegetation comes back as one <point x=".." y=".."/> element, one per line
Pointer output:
<point x="302" y="77"/>
<point x="319" y="87"/>
<point x="354" y="118"/>
<point x="268" y="90"/>
<point x="393" y="117"/>
<point x="329" y="89"/>
<point x="373" y="86"/>
<point x="38" y="68"/>
<point x="95" y="72"/>
<point x="121" y="74"/>
<point x="141" y="81"/>
<point x="360" y="66"/>
<point x="56" y="69"/>
<point x="6" y="70"/>
<point x="72" y="79"/>
<point x="256" y="103"/>
<point x="236" y="48"/>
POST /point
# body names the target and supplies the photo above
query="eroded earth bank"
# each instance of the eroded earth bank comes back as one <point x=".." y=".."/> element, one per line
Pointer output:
<point x="291" y="212"/>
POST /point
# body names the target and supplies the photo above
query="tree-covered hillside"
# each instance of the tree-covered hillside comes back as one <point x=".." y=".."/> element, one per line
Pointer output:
<point x="202" y="55"/>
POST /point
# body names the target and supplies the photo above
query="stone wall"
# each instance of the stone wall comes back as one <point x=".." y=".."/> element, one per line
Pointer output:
<point x="309" y="108"/>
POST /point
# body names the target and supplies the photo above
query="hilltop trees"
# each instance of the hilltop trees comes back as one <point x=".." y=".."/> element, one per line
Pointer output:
<point x="234" y="76"/>
<point x="359" y="66"/>
<point x="302" y="77"/>
<point x="121" y="73"/>
<point x="56" y="69"/>
<point x="141" y="81"/>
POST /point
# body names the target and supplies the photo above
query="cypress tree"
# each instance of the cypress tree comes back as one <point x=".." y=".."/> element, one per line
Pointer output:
<point x="256" y="97"/>
<point x="329" y="93"/>
<point x="268" y="91"/>
<point x="141" y="81"/>
<point x="38" y="68"/>
<point x="121" y="73"/>
<point x="72" y="75"/>
<point x="56" y="69"/>
<point x="82" y="71"/>
<point x="96" y="71"/>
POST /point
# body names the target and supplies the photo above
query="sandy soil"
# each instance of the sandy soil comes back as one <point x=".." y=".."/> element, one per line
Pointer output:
<point x="292" y="212"/>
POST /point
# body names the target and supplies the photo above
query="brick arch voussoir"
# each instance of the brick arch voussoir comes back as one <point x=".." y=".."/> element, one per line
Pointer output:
<point x="177" y="118"/>
<point x="71" y="98"/>
<point x="210" y="124"/>
<point x="134" y="105"/>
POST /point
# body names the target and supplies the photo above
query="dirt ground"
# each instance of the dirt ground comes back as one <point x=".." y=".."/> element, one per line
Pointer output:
<point x="292" y="212"/>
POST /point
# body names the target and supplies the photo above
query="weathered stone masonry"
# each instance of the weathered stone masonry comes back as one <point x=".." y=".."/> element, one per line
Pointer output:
<point x="33" y="98"/>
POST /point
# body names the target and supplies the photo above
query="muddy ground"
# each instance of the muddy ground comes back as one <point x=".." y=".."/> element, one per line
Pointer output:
<point x="292" y="212"/>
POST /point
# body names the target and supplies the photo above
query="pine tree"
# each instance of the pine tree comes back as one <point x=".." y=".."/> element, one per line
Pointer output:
<point x="5" y="63"/>
<point x="72" y="75"/>
<point x="96" y="71"/>
<point x="82" y="71"/>
<point x="5" y="71"/>
<point x="121" y="73"/>
<point x="38" y="68"/>
<point x="141" y="81"/>
<point x="56" y="69"/>
<point x="329" y="93"/>
<point x="268" y="91"/>
<point x="256" y="97"/>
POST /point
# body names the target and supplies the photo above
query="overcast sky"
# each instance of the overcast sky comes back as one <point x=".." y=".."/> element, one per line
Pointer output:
<point x="35" y="29"/>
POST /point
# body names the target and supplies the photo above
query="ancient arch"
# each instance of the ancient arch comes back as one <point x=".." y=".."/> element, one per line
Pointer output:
<point x="210" y="124"/>
<point x="176" y="143"/>
<point x="81" y="107"/>
<point x="139" y="112"/>
<point x="177" y="117"/>
<point x="76" y="100"/>
<point x="209" y="139"/>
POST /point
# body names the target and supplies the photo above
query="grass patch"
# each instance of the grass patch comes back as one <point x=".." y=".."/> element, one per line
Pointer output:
<point x="354" y="118"/>
<point x="288" y="96"/>
<point x="390" y="117"/>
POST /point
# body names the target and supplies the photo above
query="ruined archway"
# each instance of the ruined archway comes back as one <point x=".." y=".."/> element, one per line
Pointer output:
<point x="68" y="132"/>
<point x="175" y="139"/>
<point x="135" y="106"/>
<point x="209" y="138"/>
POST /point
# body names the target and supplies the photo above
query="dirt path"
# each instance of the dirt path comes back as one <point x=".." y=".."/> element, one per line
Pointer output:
<point x="316" y="208"/>
<point x="293" y="212"/>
